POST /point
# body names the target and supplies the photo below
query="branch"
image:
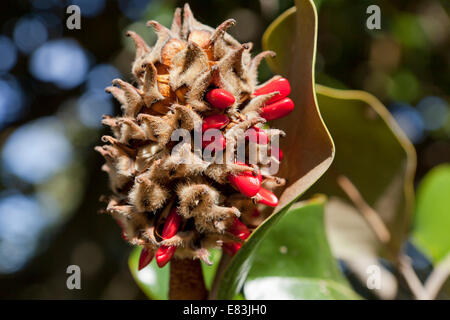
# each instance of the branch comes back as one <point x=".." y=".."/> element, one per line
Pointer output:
<point x="437" y="277"/>
<point x="383" y="234"/>
<point x="440" y="273"/>
<point x="371" y="216"/>
<point x="414" y="283"/>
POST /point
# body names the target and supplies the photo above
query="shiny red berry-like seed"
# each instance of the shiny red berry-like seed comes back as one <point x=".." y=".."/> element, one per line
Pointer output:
<point x="281" y="85"/>
<point x="164" y="254"/>
<point x="277" y="109"/>
<point x="220" y="98"/>
<point x="172" y="224"/>
<point x="216" y="121"/>
<point x="217" y="143"/>
<point x="267" y="197"/>
<point x="257" y="135"/>
<point x="277" y="153"/>
<point x="145" y="258"/>
<point x="240" y="230"/>
<point x="246" y="182"/>
<point x="231" y="248"/>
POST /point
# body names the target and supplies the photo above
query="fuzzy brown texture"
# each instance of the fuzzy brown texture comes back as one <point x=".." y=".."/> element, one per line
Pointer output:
<point x="145" y="172"/>
<point x="186" y="280"/>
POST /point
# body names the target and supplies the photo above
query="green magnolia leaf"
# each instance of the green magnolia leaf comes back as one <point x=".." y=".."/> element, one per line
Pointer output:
<point x="372" y="152"/>
<point x="432" y="218"/>
<point x="301" y="166"/>
<point x="292" y="288"/>
<point x="294" y="260"/>
<point x="274" y="39"/>
<point x="154" y="281"/>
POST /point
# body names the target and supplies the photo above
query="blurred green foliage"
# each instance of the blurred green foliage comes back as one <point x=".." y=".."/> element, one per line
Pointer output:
<point x="432" y="218"/>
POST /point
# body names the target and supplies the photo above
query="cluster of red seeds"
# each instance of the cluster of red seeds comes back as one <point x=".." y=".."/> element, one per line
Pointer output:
<point x="171" y="199"/>
<point x="248" y="183"/>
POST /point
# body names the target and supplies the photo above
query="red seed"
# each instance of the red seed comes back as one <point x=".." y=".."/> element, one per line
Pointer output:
<point x="267" y="197"/>
<point x="240" y="230"/>
<point x="257" y="135"/>
<point x="145" y="258"/>
<point x="216" y="121"/>
<point x="164" y="254"/>
<point x="220" y="98"/>
<point x="277" y="109"/>
<point x="256" y="213"/>
<point x="277" y="153"/>
<point x="172" y="224"/>
<point x="217" y="145"/>
<point x="231" y="248"/>
<point x="246" y="182"/>
<point x="281" y="85"/>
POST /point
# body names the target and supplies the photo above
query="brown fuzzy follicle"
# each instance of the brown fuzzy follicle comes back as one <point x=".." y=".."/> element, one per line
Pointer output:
<point x="186" y="280"/>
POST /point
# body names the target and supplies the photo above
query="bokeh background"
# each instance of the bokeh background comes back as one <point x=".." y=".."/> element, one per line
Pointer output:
<point x="52" y="98"/>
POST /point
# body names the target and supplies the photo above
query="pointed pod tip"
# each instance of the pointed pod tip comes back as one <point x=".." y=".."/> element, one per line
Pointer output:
<point x="164" y="254"/>
<point x="145" y="258"/>
<point x="157" y="26"/>
<point x="152" y="23"/>
<point x="172" y="224"/>
<point x="267" y="197"/>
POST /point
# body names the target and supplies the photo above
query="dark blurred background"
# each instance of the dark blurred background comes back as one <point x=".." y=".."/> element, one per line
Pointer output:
<point x="52" y="98"/>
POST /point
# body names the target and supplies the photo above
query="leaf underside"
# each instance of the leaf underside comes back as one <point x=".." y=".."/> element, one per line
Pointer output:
<point x="372" y="152"/>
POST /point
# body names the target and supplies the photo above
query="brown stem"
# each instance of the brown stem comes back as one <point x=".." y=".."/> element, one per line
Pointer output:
<point x="186" y="280"/>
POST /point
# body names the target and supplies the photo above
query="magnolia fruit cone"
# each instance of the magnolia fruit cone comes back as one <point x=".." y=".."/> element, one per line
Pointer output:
<point x="193" y="78"/>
